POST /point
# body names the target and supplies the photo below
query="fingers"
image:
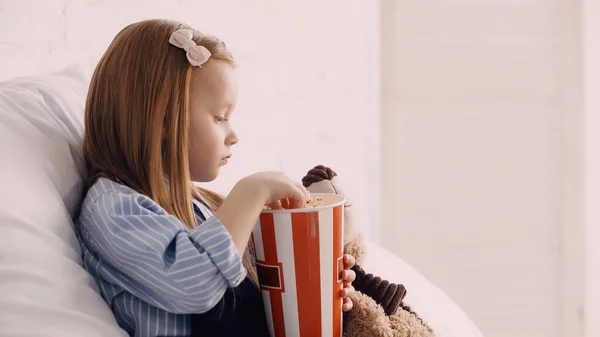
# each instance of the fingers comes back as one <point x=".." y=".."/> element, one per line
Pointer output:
<point x="297" y="200"/>
<point x="275" y="205"/>
<point x="349" y="261"/>
<point x="348" y="276"/>
<point x="299" y="196"/>
<point x="348" y="305"/>
<point x="285" y="203"/>
<point x="347" y="291"/>
<point x="304" y="191"/>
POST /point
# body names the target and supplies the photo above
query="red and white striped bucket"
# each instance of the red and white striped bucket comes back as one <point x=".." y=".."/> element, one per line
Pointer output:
<point x="299" y="263"/>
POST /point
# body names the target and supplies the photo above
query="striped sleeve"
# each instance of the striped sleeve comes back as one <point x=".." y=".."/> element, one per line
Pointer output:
<point x="156" y="258"/>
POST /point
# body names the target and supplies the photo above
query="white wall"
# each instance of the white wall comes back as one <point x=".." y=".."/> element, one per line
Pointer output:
<point x="591" y="69"/>
<point x="305" y="78"/>
<point x="472" y="109"/>
<point x="572" y="199"/>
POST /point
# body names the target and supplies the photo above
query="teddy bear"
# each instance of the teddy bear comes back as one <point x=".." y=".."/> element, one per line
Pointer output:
<point x="379" y="309"/>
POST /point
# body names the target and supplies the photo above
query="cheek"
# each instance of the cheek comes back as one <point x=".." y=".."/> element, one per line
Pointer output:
<point x="198" y="130"/>
<point x="198" y="156"/>
<point x="204" y="138"/>
<point x="198" y="145"/>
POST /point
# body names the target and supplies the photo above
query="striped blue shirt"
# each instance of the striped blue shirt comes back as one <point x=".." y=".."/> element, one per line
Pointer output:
<point x="150" y="268"/>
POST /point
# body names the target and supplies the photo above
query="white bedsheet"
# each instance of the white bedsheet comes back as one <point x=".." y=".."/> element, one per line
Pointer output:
<point x="425" y="298"/>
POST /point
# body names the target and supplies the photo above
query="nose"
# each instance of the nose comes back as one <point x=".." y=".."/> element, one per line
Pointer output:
<point x="232" y="138"/>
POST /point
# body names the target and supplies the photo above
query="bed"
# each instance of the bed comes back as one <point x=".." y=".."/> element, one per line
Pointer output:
<point x="44" y="291"/>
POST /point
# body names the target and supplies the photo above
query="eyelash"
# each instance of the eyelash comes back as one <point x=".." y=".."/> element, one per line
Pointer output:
<point x="220" y="119"/>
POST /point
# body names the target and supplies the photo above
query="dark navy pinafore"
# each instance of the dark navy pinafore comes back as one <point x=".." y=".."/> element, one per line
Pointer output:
<point x="240" y="314"/>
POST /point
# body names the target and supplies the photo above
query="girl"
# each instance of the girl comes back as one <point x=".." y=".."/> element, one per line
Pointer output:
<point x="171" y="258"/>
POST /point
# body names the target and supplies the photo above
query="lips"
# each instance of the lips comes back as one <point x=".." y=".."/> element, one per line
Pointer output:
<point x="224" y="160"/>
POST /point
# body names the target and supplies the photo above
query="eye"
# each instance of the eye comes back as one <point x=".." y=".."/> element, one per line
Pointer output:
<point x="220" y="119"/>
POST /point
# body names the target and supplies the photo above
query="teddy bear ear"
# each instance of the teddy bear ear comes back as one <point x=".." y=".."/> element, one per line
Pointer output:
<point x="316" y="174"/>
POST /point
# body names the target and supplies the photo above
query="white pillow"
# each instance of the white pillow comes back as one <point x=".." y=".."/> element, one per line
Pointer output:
<point x="44" y="291"/>
<point x="432" y="304"/>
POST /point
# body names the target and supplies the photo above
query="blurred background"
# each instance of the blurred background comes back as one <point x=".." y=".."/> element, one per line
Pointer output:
<point x="464" y="130"/>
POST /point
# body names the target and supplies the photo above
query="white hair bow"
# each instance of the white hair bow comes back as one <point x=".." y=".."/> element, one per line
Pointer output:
<point x="182" y="38"/>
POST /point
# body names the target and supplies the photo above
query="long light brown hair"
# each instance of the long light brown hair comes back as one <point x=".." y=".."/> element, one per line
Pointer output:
<point x="138" y="93"/>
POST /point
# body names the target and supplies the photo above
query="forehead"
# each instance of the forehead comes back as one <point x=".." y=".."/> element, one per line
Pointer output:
<point x="214" y="84"/>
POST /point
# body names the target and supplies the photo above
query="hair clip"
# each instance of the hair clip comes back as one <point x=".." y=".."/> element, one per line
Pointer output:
<point x="196" y="55"/>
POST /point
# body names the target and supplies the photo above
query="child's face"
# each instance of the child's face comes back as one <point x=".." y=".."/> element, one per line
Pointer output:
<point x="213" y="95"/>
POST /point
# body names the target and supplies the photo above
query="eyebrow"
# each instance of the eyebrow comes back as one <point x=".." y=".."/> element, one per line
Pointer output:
<point x="228" y="108"/>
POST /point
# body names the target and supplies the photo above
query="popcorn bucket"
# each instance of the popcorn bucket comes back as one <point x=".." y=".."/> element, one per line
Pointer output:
<point x="299" y="263"/>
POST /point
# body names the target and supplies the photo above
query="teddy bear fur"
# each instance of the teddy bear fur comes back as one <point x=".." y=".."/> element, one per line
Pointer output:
<point x="367" y="317"/>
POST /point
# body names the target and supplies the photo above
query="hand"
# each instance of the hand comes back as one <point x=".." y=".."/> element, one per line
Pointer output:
<point x="243" y="205"/>
<point x="348" y="276"/>
<point x="279" y="191"/>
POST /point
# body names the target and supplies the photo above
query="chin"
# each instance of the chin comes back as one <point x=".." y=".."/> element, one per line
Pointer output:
<point x="205" y="177"/>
